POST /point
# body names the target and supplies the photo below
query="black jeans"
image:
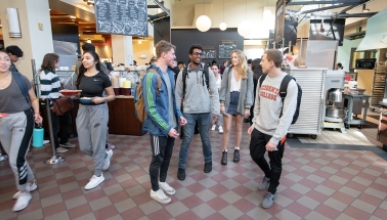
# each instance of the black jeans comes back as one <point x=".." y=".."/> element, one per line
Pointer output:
<point x="60" y="126"/>
<point x="257" y="151"/>
<point x="162" y="148"/>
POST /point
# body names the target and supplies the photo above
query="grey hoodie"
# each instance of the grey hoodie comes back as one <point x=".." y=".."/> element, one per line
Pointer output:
<point x="197" y="98"/>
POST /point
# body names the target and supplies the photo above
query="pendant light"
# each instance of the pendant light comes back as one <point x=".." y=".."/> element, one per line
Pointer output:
<point x="203" y="22"/>
<point x="223" y="25"/>
<point x="245" y="28"/>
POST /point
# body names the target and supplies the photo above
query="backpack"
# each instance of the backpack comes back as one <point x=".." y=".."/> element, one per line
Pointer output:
<point x="139" y="102"/>
<point x="18" y="77"/>
<point x="283" y="92"/>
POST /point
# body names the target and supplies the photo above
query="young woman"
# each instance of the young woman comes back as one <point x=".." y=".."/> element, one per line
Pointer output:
<point x="17" y="116"/>
<point x="50" y="87"/>
<point x="215" y="70"/>
<point x="236" y="99"/>
<point x="92" y="119"/>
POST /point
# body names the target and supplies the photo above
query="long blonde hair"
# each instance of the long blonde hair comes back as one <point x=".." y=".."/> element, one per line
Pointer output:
<point x="242" y="63"/>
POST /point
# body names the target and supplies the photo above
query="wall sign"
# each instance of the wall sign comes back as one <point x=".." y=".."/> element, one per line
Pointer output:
<point x="209" y="52"/>
<point x="226" y="47"/>
<point x="126" y="17"/>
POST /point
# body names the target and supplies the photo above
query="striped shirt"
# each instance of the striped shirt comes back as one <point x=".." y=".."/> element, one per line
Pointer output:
<point x="49" y="85"/>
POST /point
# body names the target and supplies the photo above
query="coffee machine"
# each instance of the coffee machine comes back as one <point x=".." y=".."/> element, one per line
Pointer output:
<point x="334" y="110"/>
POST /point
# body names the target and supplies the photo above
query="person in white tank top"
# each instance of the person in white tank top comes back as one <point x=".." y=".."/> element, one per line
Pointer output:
<point x="215" y="70"/>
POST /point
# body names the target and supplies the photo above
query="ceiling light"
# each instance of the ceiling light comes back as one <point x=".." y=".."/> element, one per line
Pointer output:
<point x="88" y="41"/>
<point x="245" y="29"/>
<point x="203" y="23"/>
<point x="139" y="41"/>
<point x="222" y="26"/>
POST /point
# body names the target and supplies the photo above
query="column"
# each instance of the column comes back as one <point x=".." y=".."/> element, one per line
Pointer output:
<point x="122" y="49"/>
<point x="36" y="40"/>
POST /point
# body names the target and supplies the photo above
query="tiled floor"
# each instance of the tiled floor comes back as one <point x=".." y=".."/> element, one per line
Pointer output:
<point x="316" y="183"/>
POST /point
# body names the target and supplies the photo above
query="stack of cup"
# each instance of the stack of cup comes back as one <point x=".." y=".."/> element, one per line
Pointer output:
<point x="126" y="88"/>
<point x="116" y="85"/>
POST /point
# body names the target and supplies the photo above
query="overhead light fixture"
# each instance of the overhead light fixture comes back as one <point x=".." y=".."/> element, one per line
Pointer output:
<point x="245" y="28"/>
<point x="365" y="9"/>
<point x="139" y="41"/>
<point x="223" y="25"/>
<point x="203" y="22"/>
<point x="13" y="23"/>
<point x="88" y="41"/>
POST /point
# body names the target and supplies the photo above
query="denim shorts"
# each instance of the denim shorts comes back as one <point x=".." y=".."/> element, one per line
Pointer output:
<point x="233" y="106"/>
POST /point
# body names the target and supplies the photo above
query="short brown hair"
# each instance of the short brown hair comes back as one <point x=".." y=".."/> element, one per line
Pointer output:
<point x="49" y="62"/>
<point x="163" y="47"/>
<point x="275" y="56"/>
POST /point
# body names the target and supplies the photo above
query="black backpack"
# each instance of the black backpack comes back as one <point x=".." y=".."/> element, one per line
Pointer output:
<point x="283" y="92"/>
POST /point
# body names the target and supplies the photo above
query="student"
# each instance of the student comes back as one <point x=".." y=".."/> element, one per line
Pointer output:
<point x="163" y="118"/>
<point x="92" y="119"/>
<point x="50" y="87"/>
<point x="20" y="109"/>
<point x="215" y="70"/>
<point x="236" y="99"/>
<point x="199" y="103"/>
<point x="271" y="122"/>
<point x="15" y="53"/>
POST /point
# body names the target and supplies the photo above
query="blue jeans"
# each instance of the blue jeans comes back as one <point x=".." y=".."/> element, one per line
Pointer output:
<point x="203" y="120"/>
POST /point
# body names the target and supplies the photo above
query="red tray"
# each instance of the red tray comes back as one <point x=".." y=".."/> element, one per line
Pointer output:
<point x="70" y="92"/>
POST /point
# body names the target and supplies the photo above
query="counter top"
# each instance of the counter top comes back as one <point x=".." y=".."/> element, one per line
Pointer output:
<point x="124" y="97"/>
<point x="356" y="95"/>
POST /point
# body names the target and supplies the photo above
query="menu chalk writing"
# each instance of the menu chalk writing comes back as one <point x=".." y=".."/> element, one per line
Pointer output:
<point x="126" y="17"/>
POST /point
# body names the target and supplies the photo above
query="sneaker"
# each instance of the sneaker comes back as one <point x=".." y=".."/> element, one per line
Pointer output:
<point x="167" y="188"/>
<point x="268" y="200"/>
<point x="106" y="163"/>
<point x="207" y="167"/>
<point x="30" y="187"/>
<point x="111" y="147"/>
<point x="22" y="201"/>
<point x="213" y="128"/>
<point x="160" y="196"/>
<point x="3" y="157"/>
<point x="61" y="150"/>
<point x="68" y="145"/>
<point x="94" y="181"/>
<point x="220" y="129"/>
<point x="46" y="141"/>
<point x="181" y="174"/>
<point x="264" y="184"/>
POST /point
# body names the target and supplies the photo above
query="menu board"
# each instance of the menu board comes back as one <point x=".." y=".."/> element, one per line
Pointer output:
<point x="226" y="47"/>
<point x="209" y="52"/>
<point x="126" y="17"/>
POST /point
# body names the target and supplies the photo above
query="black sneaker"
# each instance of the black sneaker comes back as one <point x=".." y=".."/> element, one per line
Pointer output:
<point x="208" y="167"/>
<point x="224" y="158"/>
<point x="236" y="156"/>
<point x="181" y="174"/>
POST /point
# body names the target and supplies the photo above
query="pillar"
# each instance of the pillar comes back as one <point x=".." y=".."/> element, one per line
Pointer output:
<point x="36" y="40"/>
<point x="122" y="49"/>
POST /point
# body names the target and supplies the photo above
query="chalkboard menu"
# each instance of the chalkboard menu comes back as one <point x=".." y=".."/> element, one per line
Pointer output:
<point x="209" y="52"/>
<point x="127" y="17"/>
<point x="226" y="47"/>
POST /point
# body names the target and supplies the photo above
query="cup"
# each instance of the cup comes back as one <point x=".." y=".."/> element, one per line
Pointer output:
<point x="116" y="91"/>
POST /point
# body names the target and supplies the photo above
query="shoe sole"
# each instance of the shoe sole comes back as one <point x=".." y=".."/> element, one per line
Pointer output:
<point x="161" y="202"/>
<point x="95" y="185"/>
<point x="262" y="189"/>
<point x="171" y="194"/>
<point x="109" y="158"/>
<point x="23" y="207"/>
<point x="267" y="207"/>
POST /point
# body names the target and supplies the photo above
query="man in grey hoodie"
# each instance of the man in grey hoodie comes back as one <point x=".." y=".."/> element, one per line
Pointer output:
<point x="198" y="99"/>
<point x="272" y="119"/>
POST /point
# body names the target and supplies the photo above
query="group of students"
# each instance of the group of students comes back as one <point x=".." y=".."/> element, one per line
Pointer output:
<point x="196" y="99"/>
<point x="202" y="101"/>
<point x="19" y="111"/>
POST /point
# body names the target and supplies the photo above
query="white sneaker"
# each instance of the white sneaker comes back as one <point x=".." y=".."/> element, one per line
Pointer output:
<point x="160" y="196"/>
<point x="94" y="181"/>
<point x="68" y="144"/>
<point x="22" y="201"/>
<point x="46" y="141"/>
<point x="30" y="187"/>
<point x="220" y="129"/>
<point x="213" y="128"/>
<point x="61" y="150"/>
<point x="167" y="188"/>
<point x="106" y="163"/>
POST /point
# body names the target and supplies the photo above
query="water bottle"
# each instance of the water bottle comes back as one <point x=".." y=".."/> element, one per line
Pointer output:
<point x="38" y="135"/>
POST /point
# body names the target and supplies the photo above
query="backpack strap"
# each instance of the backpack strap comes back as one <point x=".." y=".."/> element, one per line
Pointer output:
<point x="261" y="79"/>
<point x="22" y="85"/>
<point x="284" y="89"/>
<point x="184" y="78"/>
<point x="158" y="80"/>
<point x="206" y="74"/>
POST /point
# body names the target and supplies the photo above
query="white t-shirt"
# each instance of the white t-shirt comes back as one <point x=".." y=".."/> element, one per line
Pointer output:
<point x="235" y="85"/>
<point x="219" y="82"/>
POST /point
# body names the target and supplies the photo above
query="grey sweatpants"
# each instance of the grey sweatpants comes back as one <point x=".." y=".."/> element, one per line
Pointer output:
<point x="92" y="121"/>
<point x="15" y="136"/>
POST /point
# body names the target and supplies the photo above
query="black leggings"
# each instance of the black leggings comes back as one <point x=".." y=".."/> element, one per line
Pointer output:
<point x="257" y="151"/>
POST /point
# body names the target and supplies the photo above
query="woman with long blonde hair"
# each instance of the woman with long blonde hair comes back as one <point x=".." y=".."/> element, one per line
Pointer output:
<point x="236" y="98"/>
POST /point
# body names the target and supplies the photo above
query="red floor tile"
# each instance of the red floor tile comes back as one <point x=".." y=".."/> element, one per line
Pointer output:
<point x="327" y="211"/>
<point x="356" y="213"/>
<point x="79" y="211"/>
<point x="299" y="209"/>
<point x="106" y="212"/>
<point x="54" y="209"/>
<point x="134" y="213"/>
<point x="217" y="203"/>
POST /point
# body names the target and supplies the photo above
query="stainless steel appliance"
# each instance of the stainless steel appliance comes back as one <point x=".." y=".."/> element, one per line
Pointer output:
<point x="365" y="63"/>
<point x="334" y="111"/>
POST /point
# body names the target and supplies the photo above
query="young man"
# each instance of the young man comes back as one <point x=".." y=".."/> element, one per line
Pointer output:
<point x="163" y="117"/>
<point x="197" y="102"/>
<point x="14" y="53"/>
<point x="270" y="127"/>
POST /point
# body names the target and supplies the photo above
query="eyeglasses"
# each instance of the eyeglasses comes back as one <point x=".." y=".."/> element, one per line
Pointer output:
<point x="197" y="54"/>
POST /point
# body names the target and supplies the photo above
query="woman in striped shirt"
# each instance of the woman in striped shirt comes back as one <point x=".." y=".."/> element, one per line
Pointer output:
<point x="50" y="86"/>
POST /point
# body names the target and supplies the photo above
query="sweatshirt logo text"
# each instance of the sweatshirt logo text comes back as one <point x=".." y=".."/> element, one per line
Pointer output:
<point x="269" y="92"/>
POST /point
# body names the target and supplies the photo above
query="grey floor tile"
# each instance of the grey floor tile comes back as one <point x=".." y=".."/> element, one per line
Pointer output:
<point x="176" y="208"/>
<point x="62" y="216"/>
<point x="206" y="195"/>
<point x="37" y="214"/>
<point x="89" y="216"/>
<point x="203" y="211"/>
<point x="230" y="212"/>
<point x="125" y="205"/>
<point x="100" y="203"/>
<point x="150" y="207"/>
<point x="230" y="197"/>
<point x="51" y="200"/>
<point x="75" y="202"/>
